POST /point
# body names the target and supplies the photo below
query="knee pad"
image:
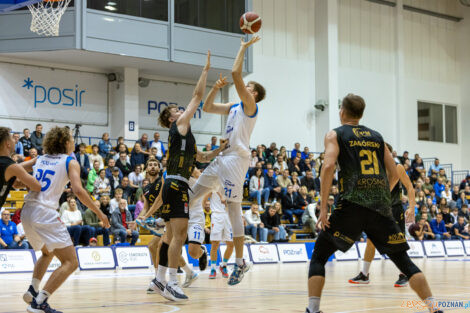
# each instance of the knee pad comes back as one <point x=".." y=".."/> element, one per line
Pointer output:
<point x="163" y="255"/>
<point x="235" y="214"/>
<point x="317" y="267"/>
<point x="322" y="251"/>
<point x="404" y="263"/>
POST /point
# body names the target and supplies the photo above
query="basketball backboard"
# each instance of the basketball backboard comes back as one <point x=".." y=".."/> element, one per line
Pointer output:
<point x="10" y="5"/>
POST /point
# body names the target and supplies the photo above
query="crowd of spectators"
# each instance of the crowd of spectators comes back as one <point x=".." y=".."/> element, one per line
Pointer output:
<point x="283" y="187"/>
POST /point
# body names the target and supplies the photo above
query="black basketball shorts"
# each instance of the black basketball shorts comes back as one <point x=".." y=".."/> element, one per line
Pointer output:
<point x="399" y="216"/>
<point x="175" y="199"/>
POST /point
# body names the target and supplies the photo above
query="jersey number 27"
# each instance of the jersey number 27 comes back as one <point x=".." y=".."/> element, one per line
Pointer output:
<point x="42" y="176"/>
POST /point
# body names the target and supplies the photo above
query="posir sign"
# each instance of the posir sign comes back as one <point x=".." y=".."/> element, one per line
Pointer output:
<point x="44" y="94"/>
<point x="294" y="252"/>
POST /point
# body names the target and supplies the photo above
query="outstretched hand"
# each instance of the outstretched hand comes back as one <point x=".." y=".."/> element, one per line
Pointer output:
<point x="221" y="82"/>
<point x="248" y="43"/>
<point x="208" y="61"/>
<point x="223" y="143"/>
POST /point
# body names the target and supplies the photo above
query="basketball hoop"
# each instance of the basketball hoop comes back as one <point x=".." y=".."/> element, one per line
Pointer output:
<point x="46" y="16"/>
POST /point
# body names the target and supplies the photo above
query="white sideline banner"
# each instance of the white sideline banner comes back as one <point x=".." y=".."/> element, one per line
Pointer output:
<point x="16" y="261"/>
<point x="434" y="248"/>
<point x="416" y="249"/>
<point x="454" y="248"/>
<point x="55" y="263"/>
<point x="294" y="252"/>
<point x="96" y="258"/>
<point x="231" y="260"/>
<point x="351" y="254"/>
<point x="466" y="244"/>
<point x="264" y="253"/>
<point x="133" y="257"/>
<point x="362" y="248"/>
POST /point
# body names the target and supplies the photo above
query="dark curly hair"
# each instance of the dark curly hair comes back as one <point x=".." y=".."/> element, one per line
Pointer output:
<point x="164" y="118"/>
<point x="56" y="139"/>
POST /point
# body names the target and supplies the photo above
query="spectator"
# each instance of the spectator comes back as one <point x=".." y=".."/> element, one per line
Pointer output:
<point x="303" y="198"/>
<point x="26" y="141"/>
<point x="18" y="145"/>
<point x="464" y="212"/>
<point x="137" y="156"/>
<point x="308" y="181"/>
<point x="36" y="138"/>
<point x="9" y="237"/>
<point x="207" y="218"/>
<point x="273" y="156"/>
<point x="83" y="160"/>
<point x="455" y="193"/>
<point x="270" y="151"/>
<point x="72" y="218"/>
<point x="95" y="156"/>
<point x="32" y="154"/>
<point x="96" y="225"/>
<point x="254" y="225"/>
<point x="92" y="175"/>
<point x="335" y="193"/>
<point x="120" y="141"/>
<point x="122" y="148"/>
<point x="139" y="205"/>
<point x="22" y="234"/>
<point x="423" y="210"/>
<point x="144" y="144"/>
<point x="214" y="143"/>
<point x="294" y="166"/>
<point x="253" y="158"/>
<point x="136" y="177"/>
<point x="101" y="185"/>
<point x="272" y="225"/>
<point x="295" y="150"/>
<point x="331" y="204"/>
<point x="122" y="225"/>
<point x="458" y="230"/>
<point x="290" y="205"/>
<point x="272" y="185"/>
<point x="110" y="168"/>
<point x="421" y="230"/>
<point x="404" y="158"/>
<point x="465" y="182"/>
<point x="105" y="207"/>
<point x="455" y="214"/>
<point x="127" y="191"/>
<point x="283" y="181"/>
<point x="438" y="227"/>
<point x="123" y="165"/>
<point x="434" y="169"/>
<point x="442" y="174"/>
<point x="105" y="146"/>
<point x="318" y="163"/>
<point x="427" y="186"/>
<point x="157" y="143"/>
<point x="305" y="154"/>
<point x="283" y="153"/>
<point x="309" y="218"/>
<point x="295" y="181"/>
<point x="114" y="180"/>
<point x="257" y="189"/>
<point x="448" y="219"/>
<point x="153" y="153"/>
<point x="261" y="155"/>
<point x="433" y="211"/>
<point x="281" y="164"/>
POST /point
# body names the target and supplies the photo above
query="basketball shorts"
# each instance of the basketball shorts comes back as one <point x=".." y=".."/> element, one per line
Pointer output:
<point x="349" y="220"/>
<point x="228" y="171"/>
<point x="221" y="229"/>
<point x="175" y="199"/>
<point x="196" y="233"/>
<point x="399" y="216"/>
<point x="43" y="227"/>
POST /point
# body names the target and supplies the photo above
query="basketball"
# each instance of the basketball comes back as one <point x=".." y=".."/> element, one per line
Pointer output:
<point x="250" y="23"/>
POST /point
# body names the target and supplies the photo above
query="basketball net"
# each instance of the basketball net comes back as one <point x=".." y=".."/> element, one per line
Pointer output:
<point x="46" y="16"/>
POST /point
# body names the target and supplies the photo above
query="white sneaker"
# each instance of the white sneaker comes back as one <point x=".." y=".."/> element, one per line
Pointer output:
<point x="156" y="287"/>
<point x="174" y="292"/>
<point x="189" y="279"/>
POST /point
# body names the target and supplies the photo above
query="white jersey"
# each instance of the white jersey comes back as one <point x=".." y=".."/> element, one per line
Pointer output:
<point x="238" y="131"/>
<point x="217" y="207"/>
<point x="196" y="212"/>
<point x="52" y="172"/>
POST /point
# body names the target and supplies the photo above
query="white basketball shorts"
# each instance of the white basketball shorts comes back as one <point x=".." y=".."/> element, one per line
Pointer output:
<point x="221" y="229"/>
<point x="196" y="233"/>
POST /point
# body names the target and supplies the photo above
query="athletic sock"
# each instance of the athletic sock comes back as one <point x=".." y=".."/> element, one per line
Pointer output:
<point x="156" y="271"/>
<point x="188" y="270"/>
<point x="161" y="273"/>
<point x="35" y="283"/>
<point x="365" y="267"/>
<point x="224" y="262"/>
<point x="213" y="265"/>
<point x="431" y="304"/>
<point x="314" y="304"/>
<point x="42" y="296"/>
<point x="239" y="261"/>
<point x="173" y="272"/>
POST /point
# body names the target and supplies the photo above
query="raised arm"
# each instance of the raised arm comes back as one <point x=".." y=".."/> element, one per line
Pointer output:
<point x="327" y="175"/>
<point x="405" y="180"/>
<point x="207" y="156"/>
<point x="218" y="108"/>
<point x="198" y="94"/>
<point x="82" y="194"/>
<point x="246" y="97"/>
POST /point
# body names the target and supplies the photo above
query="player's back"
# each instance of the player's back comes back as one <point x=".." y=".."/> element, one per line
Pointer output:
<point x="238" y="130"/>
<point x="52" y="172"/>
<point x="362" y="177"/>
<point x="217" y="207"/>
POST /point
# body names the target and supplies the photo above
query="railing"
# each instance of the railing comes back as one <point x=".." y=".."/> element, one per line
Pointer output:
<point x="458" y="176"/>
<point x="448" y="169"/>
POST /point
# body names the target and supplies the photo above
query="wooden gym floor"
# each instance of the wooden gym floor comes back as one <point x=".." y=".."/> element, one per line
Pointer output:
<point x="267" y="288"/>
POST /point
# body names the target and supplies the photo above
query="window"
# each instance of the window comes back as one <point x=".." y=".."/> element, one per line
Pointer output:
<point x="154" y="9"/>
<point x="437" y="122"/>
<point x="221" y="15"/>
